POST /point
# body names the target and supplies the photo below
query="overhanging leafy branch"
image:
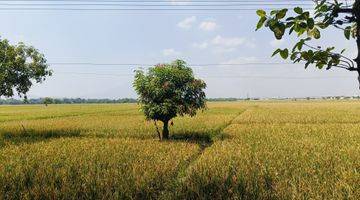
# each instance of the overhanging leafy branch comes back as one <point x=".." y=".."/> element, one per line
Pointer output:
<point x="326" y="14"/>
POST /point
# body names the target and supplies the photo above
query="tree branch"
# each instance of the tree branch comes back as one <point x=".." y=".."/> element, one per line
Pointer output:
<point x="157" y="130"/>
<point x="344" y="10"/>
<point x="349" y="61"/>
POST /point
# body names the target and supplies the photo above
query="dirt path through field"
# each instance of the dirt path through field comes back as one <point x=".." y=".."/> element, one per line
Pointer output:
<point x="217" y="135"/>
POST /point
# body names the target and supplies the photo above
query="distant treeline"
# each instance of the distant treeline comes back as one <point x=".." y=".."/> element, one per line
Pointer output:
<point x="223" y="99"/>
<point x="131" y="100"/>
<point x="82" y="101"/>
<point x="65" y="101"/>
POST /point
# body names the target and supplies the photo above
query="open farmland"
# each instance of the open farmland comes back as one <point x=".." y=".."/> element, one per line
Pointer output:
<point x="239" y="150"/>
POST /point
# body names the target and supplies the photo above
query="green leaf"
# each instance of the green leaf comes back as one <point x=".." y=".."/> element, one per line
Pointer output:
<point x="284" y="53"/>
<point x="303" y="25"/>
<point x="315" y="33"/>
<point x="273" y="12"/>
<point x="347" y="32"/>
<point x="298" y="10"/>
<point x="306" y="15"/>
<point x="281" y="14"/>
<point x="310" y="23"/>
<point x="276" y="52"/>
<point x="279" y="30"/>
<point x="320" y="65"/>
<point x="300" y="44"/>
<point x="301" y="31"/>
<point x="291" y="30"/>
<point x="323" y="8"/>
<point x="260" y="23"/>
<point x="261" y="13"/>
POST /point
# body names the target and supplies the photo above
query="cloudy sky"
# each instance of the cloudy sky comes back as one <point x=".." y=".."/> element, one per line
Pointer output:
<point x="198" y="37"/>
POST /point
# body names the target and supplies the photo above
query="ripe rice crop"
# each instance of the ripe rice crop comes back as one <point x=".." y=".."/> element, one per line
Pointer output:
<point x="90" y="168"/>
<point x="283" y="151"/>
<point x="239" y="150"/>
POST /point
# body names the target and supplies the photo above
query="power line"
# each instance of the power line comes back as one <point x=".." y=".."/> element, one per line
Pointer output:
<point x="153" y="5"/>
<point x="198" y="65"/>
<point x="157" y="1"/>
<point x="149" y="2"/>
<point x="113" y="5"/>
<point x="224" y="76"/>
<point x="56" y="5"/>
<point x="193" y="2"/>
<point x="137" y="9"/>
<point x="148" y="65"/>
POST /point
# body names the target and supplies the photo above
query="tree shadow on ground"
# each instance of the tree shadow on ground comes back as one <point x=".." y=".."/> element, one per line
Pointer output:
<point x="33" y="136"/>
<point x="225" y="136"/>
<point x="204" y="139"/>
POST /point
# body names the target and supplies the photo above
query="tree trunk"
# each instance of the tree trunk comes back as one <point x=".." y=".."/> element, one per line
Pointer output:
<point x="357" y="60"/>
<point x="157" y="130"/>
<point x="356" y="11"/>
<point x="165" y="133"/>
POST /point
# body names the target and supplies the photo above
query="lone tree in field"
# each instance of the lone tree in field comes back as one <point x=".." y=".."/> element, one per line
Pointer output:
<point x="169" y="90"/>
<point x="308" y="27"/>
<point x="47" y="101"/>
<point x="20" y="65"/>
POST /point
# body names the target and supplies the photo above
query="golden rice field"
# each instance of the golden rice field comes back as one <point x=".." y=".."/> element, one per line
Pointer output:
<point x="239" y="150"/>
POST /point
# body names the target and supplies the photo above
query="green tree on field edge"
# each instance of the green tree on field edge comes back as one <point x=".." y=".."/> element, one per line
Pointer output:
<point x="47" y="101"/>
<point x="169" y="90"/>
<point x="20" y="66"/>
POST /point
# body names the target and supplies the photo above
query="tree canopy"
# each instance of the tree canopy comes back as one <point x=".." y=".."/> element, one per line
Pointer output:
<point x="308" y="26"/>
<point x="20" y="66"/>
<point x="48" y="100"/>
<point x="169" y="90"/>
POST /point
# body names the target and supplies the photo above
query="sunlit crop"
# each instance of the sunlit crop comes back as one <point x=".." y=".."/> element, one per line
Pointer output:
<point x="240" y="150"/>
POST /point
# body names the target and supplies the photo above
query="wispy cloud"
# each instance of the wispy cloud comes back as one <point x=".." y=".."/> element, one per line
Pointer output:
<point x="228" y="41"/>
<point x="170" y="52"/>
<point x="208" y="25"/>
<point x="187" y="23"/>
<point x="221" y="44"/>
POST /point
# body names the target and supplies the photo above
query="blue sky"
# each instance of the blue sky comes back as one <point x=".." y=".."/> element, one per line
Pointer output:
<point x="198" y="38"/>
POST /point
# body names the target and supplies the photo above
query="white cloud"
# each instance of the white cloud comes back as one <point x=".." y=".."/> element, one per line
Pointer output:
<point x="220" y="44"/>
<point x="170" y="52"/>
<point x="276" y="43"/>
<point x="202" y="45"/>
<point x="228" y="42"/>
<point x="208" y="26"/>
<point x="187" y="23"/>
<point x="222" y="50"/>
